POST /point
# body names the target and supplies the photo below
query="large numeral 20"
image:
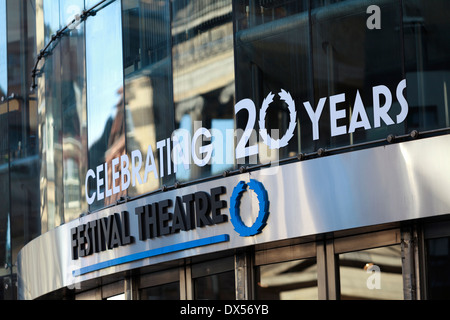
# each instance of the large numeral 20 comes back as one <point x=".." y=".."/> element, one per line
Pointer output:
<point x="241" y="148"/>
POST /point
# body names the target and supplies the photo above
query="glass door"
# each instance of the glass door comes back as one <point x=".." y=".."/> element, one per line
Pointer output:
<point x="437" y="261"/>
<point x="369" y="266"/>
<point x="287" y="273"/>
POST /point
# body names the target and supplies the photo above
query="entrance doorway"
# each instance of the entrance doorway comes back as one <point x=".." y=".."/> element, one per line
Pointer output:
<point x="369" y="265"/>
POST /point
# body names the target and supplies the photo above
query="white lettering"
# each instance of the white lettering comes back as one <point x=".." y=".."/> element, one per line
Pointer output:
<point x="335" y="115"/>
<point x="241" y="309"/>
<point x="115" y="176"/>
<point x="359" y="112"/>
<point x="192" y="310"/>
<point x="108" y="191"/>
<point x="402" y="100"/>
<point x="160" y="146"/>
<point x="381" y="112"/>
<point x="100" y="195"/>
<point x="169" y="162"/>
<point x="201" y="162"/>
<point x="315" y="116"/>
<point x="135" y="176"/>
<point x="150" y="165"/>
<point x="90" y="199"/>
<point x="125" y="172"/>
<point x="242" y="150"/>
<point x="180" y="149"/>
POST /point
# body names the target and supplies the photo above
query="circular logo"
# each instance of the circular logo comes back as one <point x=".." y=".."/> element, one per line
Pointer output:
<point x="235" y="204"/>
<point x="283" y="142"/>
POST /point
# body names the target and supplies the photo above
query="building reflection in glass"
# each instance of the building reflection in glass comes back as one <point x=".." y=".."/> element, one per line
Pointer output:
<point x="147" y="69"/>
<point x="273" y="52"/>
<point x="19" y="162"/>
<point x="106" y="131"/>
<point x="62" y="114"/>
<point x="148" y="87"/>
<point x="74" y="117"/>
<point x="203" y="78"/>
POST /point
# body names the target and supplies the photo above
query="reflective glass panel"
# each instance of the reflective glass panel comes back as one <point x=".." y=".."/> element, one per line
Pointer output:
<point x="106" y="129"/>
<point x="19" y="216"/>
<point x="73" y="104"/>
<point x="426" y="28"/>
<point x="215" y="287"/>
<point x="148" y="92"/>
<point x="63" y="119"/>
<point x="203" y="86"/>
<point x="371" y="274"/>
<point x="252" y="13"/>
<point x="272" y="56"/>
<point x="357" y="71"/>
<point x="292" y="280"/>
<point x="5" y="244"/>
<point x="22" y="122"/>
<point x="50" y="122"/>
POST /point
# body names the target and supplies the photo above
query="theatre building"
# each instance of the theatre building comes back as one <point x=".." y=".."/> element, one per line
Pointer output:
<point x="224" y="149"/>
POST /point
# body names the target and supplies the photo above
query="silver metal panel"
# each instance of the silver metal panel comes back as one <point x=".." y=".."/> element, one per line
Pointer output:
<point x="374" y="186"/>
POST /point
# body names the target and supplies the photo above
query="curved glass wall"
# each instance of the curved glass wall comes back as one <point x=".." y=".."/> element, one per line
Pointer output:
<point x="138" y="95"/>
<point x="203" y="84"/>
<point x="143" y="95"/>
<point x="147" y="66"/>
<point x="19" y="162"/>
<point x="62" y="116"/>
<point x="104" y="76"/>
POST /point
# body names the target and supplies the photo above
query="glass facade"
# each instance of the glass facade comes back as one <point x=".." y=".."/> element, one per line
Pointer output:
<point x="349" y="61"/>
<point x="148" y="86"/>
<point x="62" y="118"/>
<point x="133" y="96"/>
<point x="144" y="95"/>
<point x="203" y="81"/>
<point x="105" y="103"/>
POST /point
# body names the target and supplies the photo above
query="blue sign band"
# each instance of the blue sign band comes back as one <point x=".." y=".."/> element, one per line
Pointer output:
<point x="153" y="253"/>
